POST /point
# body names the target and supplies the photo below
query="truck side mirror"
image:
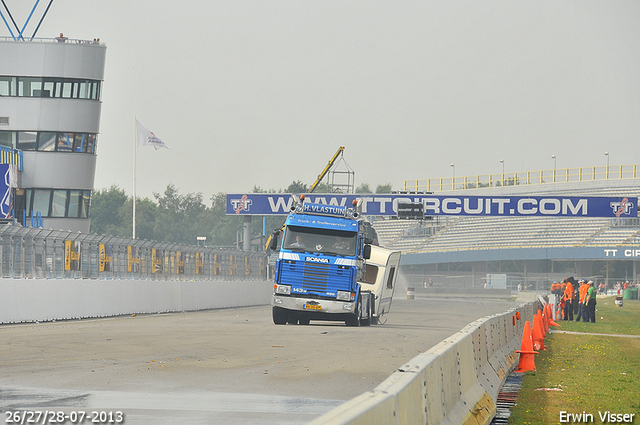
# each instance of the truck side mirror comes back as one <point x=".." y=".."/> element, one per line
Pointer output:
<point x="366" y="252"/>
<point x="274" y="242"/>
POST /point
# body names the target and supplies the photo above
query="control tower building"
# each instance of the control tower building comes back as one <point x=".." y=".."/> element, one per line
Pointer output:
<point x="50" y="104"/>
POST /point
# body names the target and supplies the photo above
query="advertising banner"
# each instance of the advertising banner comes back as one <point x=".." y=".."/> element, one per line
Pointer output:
<point x="7" y="183"/>
<point x="133" y="259"/>
<point x="105" y="258"/>
<point x="157" y="261"/>
<point x="432" y="205"/>
<point x="179" y="262"/>
<point x="71" y="255"/>
<point x="199" y="263"/>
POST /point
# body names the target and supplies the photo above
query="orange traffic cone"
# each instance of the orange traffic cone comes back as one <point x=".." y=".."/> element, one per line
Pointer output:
<point x="538" y="333"/>
<point x="527" y="361"/>
<point x="550" y="320"/>
<point x="545" y="324"/>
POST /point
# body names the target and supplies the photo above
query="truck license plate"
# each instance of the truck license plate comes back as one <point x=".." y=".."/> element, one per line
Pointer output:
<point x="312" y="307"/>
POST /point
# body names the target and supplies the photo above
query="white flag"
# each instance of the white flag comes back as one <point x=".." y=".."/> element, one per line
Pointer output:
<point x="147" y="138"/>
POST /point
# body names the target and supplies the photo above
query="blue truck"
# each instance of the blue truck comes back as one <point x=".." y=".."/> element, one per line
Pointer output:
<point x="330" y="267"/>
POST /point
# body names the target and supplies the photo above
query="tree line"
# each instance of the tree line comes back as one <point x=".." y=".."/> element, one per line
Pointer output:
<point x="177" y="218"/>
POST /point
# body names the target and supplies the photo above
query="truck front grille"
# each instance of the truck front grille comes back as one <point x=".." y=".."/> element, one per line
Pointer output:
<point x="315" y="277"/>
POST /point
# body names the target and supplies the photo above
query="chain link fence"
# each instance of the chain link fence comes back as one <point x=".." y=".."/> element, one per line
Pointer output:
<point x="30" y="253"/>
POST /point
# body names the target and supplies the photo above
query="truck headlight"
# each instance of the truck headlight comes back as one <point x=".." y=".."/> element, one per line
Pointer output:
<point x="345" y="296"/>
<point x="283" y="289"/>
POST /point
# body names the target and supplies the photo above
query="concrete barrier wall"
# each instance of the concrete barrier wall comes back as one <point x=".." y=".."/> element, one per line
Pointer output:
<point x="455" y="382"/>
<point x="31" y="300"/>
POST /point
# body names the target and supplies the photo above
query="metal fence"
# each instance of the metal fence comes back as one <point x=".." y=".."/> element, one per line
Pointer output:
<point x="556" y="175"/>
<point x="30" y="253"/>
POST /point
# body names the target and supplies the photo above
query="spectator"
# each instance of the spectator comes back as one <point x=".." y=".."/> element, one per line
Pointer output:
<point x="568" y="301"/>
<point x="581" y="294"/>
<point x="590" y="303"/>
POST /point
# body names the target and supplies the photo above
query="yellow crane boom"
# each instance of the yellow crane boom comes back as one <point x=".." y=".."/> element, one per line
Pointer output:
<point x="326" y="169"/>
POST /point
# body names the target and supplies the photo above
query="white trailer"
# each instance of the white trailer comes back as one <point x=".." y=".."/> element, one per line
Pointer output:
<point x="381" y="271"/>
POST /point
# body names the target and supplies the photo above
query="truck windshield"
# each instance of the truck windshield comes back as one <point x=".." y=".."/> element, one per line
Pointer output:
<point x="326" y="241"/>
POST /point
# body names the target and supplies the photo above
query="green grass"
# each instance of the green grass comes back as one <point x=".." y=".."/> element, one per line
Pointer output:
<point x="595" y="373"/>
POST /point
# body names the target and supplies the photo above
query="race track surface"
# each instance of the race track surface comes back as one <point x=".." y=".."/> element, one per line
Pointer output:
<point x="231" y="366"/>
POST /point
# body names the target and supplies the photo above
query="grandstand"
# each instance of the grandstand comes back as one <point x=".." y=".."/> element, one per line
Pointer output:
<point x="542" y="249"/>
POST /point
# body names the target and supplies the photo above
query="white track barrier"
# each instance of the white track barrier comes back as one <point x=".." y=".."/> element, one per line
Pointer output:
<point x="455" y="382"/>
<point x="32" y="300"/>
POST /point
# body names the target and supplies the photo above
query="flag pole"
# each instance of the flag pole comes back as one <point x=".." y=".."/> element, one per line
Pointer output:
<point x="135" y="148"/>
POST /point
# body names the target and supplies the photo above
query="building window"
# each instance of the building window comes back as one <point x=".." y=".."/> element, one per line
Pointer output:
<point x="8" y="139"/>
<point x="41" y="199"/>
<point x="7" y="86"/>
<point x="65" y="142"/>
<point x="66" y="88"/>
<point x="49" y="141"/>
<point x="27" y="140"/>
<point x="85" y="204"/>
<point x="91" y="143"/>
<point x="75" y="200"/>
<point x="57" y="203"/>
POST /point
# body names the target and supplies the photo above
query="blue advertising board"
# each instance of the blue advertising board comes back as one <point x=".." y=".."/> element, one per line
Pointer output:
<point x="7" y="175"/>
<point x="489" y="206"/>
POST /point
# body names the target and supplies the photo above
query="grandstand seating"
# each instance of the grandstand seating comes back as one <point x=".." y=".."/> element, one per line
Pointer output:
<point x="467" y="233"/>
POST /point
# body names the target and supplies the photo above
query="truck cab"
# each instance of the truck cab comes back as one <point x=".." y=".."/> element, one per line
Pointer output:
<point x="324" y="250"/>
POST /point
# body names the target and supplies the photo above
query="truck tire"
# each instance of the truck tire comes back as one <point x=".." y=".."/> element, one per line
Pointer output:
<point x="354" y="318"/>
<point x="368" y="310"/>
<point x="279" y="316"/>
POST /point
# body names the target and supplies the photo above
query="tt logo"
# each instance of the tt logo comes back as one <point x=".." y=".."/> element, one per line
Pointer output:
<point x="242" y="204"/>
<point x="622" y="207"/>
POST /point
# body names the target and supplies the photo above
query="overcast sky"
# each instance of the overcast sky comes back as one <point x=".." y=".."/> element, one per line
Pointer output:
<point x="264" y="92"/>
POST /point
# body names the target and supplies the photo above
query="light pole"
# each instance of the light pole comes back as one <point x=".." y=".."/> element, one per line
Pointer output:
<point x="453" y="176"/>
<point x="502" y="162"/>
<point x="606" y="173"/>
<point x="554" y="167"/>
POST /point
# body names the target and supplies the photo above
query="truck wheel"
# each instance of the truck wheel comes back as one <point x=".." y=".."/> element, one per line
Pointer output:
<point x="367" y="321"/>
<point x="354" y="319"/>
<point x="279" y="316"/>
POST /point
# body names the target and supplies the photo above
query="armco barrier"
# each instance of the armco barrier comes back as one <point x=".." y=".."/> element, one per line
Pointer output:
<point x="455" y="382"/>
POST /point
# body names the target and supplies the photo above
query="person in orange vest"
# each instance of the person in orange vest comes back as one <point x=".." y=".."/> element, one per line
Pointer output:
<point x="583" y="293"/>
<point x="568" y="301"/>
